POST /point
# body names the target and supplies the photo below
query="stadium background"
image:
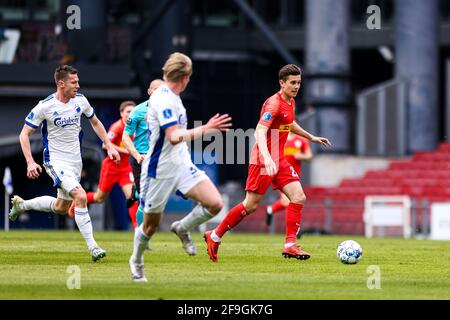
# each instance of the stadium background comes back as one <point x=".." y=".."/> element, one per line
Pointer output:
<point x="388" y="140"/>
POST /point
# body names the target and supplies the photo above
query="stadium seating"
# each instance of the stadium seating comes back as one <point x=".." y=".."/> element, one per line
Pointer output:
<point x="425" y="177"/>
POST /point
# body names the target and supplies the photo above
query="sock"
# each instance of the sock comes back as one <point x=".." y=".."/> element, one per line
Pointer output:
<point x="277" y="206"/>
<point x="44" y="204"/>
<point x="140" y="243"/>
<point x="293" y="219"/>
<point x="196" y="217"/>
<point x="139" y="216"/>
<point x="90" y="197"/>
<point x="233" y="217"/>
<point x="214" y="236"/>
<point x="83" y="221"/>
<point x="132" y="214"/>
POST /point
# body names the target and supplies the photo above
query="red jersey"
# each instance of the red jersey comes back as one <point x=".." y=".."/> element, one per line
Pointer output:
<point x="278" y="116"/>
<point x="295" y="145"/>
<point x="115" y="135"/>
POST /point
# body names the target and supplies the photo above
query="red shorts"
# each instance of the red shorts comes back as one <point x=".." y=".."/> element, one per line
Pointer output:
<point x="259" y="182"/>
<point x="109" y="176"/>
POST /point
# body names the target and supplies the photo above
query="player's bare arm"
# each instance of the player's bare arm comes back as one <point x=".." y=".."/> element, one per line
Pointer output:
<point x="216" y="123"/>
<point x="33" y="169"/>
<point x="129" y="145"/>
<point x="118" y="148"/>
<point x="261" y="140"/>
<point x="303" y="133"/>
<point x="101" y="133"/>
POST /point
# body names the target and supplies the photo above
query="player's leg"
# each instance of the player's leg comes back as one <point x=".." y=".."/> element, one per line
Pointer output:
<point x="108" y="178"/>
<point x="154" y="196"/>
<point x="132" y="203"/>
<point x="193" y="183"/>
<point x="105" y="185"/>
<point x="232" y="219"/>
<point x="98" y="197"/>
<point x="136" y="169"/>
<point x="142" y="236"/>
<point x="70" y="188"/>
<point x="209" y="203"/>
<point x="256" y="187"/>
<point x="278" y="205"/>
<point x="297" y="198"/>
<point x="127" y="190"/>
<point x="91" y="197"/>
<point x="44" y="203"/>
<point x="137" y="186"/>
<point x="83" y="221"/>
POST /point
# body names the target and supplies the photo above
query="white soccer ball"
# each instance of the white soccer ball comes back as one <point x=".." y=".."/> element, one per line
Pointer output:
<point x="349" y="252"/>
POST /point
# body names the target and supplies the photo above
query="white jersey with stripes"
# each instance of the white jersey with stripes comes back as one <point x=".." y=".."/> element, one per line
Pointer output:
<point x="61" y="126"/>
<point x="165" y="109"/>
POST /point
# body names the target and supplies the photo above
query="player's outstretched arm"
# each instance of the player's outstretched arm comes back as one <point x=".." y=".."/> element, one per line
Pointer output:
<point x="33" y="169"/>
<point x="302" y="132"/>
<point x="216" y="123"/>
<point x="99" y="129"/>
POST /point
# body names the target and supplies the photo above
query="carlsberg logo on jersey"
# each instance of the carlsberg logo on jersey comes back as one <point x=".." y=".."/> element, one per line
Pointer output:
<point x="64" y="122"/>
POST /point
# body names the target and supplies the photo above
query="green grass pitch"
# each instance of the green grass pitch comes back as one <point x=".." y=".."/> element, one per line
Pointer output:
<point x="35" y="265"/>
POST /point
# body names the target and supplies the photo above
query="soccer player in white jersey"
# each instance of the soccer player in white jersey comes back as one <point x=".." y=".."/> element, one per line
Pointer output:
<point x="59" y="116"/>
<point x="168" y="168"/>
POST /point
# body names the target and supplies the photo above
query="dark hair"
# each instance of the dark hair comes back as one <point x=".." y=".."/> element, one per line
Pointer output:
<point x="62" y="72"/>
<point x="289" y="70"/>
<point x="125" y="104"/>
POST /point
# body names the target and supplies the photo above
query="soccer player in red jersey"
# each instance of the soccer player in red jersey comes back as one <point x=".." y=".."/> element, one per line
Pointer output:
<point x="296" y="149"/>
<point x="112" y="173"/>
<point x="268" y="165"/>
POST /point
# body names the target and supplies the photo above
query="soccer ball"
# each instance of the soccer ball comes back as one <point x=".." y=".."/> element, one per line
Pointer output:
<point x="349" y="252"/>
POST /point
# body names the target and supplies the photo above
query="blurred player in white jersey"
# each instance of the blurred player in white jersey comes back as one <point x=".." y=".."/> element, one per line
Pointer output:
<point x="168" y="168"/>
<point x="59" y="116"/>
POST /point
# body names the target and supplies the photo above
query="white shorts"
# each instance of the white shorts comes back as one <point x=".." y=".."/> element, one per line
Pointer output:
<point x="156" y="192"/>
<point x="66" y="176"/>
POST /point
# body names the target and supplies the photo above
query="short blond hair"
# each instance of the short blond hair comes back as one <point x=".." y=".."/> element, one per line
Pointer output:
<point x="176" y="67"/>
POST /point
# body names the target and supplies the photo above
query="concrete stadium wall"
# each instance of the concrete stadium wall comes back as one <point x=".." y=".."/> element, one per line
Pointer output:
<point x="329" y="170"/>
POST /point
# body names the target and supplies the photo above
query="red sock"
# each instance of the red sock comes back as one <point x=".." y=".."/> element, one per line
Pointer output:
<point x="277" y="206"/>
<point x="233" y="217"/>
<point x="132" y="213"/>
<point x="90" y="197"/>
<point x="293" y="219"/>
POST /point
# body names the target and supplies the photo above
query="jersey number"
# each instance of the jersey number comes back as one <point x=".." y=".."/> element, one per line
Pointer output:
<point x="294" y="174"/>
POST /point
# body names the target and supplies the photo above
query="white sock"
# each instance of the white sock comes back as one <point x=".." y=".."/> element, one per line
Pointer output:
<point x="83" y="221"/>
<point x="215" y="237"/>
<point x="140" y="243"/>
<point x="44" y="204"/>
<point x="196" y="217"/>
